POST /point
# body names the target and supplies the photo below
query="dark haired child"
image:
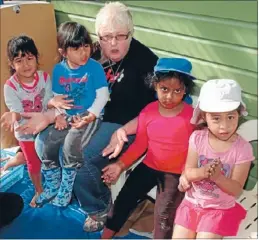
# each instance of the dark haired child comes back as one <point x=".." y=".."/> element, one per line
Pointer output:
<point x="27" y="90"/>
<point x="80" y="94"/>
<point x="217" y="165"/>
<point x="163" y="132"/>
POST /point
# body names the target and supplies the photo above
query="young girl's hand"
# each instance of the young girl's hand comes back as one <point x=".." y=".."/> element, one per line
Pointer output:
<point x="60" y="123"/>
<point x="79" y="122"/>
<point x="60" y="102"/>
<point x="216" y="170"/>
<point x="8" y="119"/>
<point x="112" y="172"/>
<point x="206" y="170"/>
<point x="184" y="184"/>
<point x="89" y="118"/>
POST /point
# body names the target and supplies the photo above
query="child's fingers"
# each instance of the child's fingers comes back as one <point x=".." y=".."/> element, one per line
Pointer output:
<point x="105" y="169"/>
<point x="75" y="119"/>
<point x="106" y="179"/>
<point x="76" y="125"/>
<point x="12" y="127"/>
<point x="86" y="119"/>
<point x="67" y="107"/>
<point x="180" y="188"/>
<point x="78" y="118"/>
<point x="63" y="96"/>
<point x="5" y="125"/>
<point x="211" y="170"/>
<point x="68" y="101"/>
<point x="4" y="159"/>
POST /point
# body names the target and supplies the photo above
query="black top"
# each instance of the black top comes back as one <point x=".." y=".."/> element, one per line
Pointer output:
<point x="128" y="92"/>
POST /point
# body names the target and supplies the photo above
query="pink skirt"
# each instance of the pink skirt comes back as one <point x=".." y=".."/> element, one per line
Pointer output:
<point x="223" y="222"/>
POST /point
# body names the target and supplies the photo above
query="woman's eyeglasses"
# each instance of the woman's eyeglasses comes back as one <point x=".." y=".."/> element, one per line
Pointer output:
<point x="119" y="37"/>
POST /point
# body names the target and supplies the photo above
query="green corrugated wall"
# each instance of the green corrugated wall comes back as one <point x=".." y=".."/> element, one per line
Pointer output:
<point x="218" y="37"/>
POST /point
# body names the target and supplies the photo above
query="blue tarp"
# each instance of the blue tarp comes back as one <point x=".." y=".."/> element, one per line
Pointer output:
<point x="49" y="221"/>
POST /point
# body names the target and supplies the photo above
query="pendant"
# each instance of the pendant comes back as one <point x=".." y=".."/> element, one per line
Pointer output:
<point x="120" y="77"/>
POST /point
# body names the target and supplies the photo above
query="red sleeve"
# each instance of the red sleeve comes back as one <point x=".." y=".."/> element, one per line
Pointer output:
<point x="139" y="146"/>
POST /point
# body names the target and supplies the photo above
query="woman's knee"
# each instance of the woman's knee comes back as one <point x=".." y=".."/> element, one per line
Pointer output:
<point x="99" y="140"/>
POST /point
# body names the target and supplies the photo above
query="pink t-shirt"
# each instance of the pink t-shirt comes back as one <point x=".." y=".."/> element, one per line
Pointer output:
<point x="166" y="139"/>
<point x="205" y="193"/>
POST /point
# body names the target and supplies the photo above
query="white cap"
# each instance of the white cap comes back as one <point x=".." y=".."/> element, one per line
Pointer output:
<point x="219" y="95"/>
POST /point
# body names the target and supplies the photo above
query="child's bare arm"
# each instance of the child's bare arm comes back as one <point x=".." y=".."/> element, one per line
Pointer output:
<point x="235" y="184"/>
<point x="15" y="106"/>
<point x="184" y="184"/>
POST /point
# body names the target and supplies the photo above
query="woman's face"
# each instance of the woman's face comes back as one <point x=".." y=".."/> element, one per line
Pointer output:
<point x="114" y="41"/>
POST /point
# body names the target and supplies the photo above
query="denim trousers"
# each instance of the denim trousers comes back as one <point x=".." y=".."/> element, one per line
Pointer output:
<point x="72" y="141"/>
<point x="140" y="181"/>
<point x="92" y="194"/>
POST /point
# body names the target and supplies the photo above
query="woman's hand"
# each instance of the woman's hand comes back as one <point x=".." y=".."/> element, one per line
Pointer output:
<point x="61" y="102"/>
<point x="36" y="123"/>
<point x="112" y="172"/>
<point x="119" y="137"/>
<point x="61" y="123"/>
<point x="8" y="119"/>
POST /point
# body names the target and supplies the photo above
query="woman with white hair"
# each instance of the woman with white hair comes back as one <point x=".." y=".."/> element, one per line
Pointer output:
<point x="126" y="62"/>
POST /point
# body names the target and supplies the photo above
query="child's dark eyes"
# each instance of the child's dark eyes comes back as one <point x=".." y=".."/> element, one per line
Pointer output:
<point x="231" y="117"/>
<point x="177" y="91"/>
<point x="85" y="46"/>
<point x="164" y="89"/>
<point x="216" y="119"/>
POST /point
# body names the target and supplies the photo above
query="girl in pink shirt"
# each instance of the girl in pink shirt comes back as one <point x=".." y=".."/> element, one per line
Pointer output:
<point x="163" y="132"/>
<point x="217" y="165"/>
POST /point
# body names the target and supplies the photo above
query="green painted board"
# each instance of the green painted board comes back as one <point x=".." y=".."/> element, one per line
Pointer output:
<point x="201" y="71"/>
<point x="236" y="10"/>
<point x="239" y="33"/>
<point x="243" y="34"/>
<point x="226" y="54"/>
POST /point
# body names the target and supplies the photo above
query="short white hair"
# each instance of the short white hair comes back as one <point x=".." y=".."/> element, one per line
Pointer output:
<point x="113" y="14"/>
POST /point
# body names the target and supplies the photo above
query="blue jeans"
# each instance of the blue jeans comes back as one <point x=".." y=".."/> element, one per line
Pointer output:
<point x="92" y="194"/>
